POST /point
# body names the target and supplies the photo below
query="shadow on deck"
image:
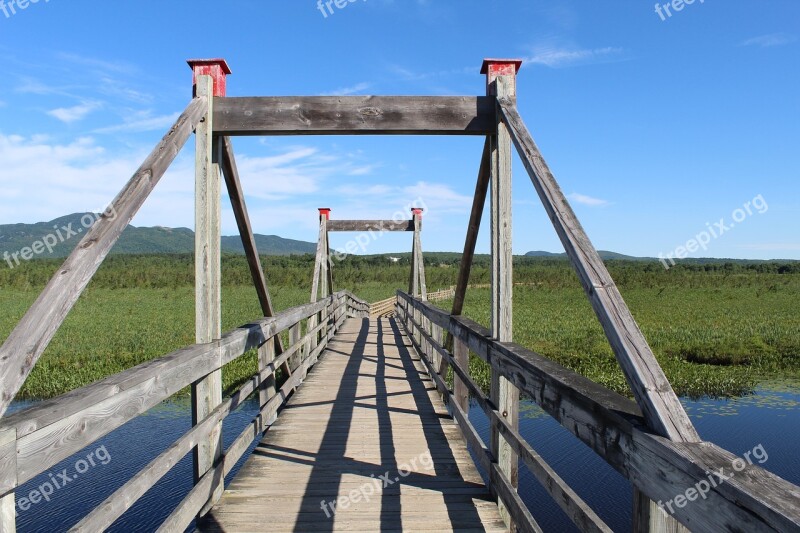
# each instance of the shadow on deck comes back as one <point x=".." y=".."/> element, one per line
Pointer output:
<point x="366" y="444"/>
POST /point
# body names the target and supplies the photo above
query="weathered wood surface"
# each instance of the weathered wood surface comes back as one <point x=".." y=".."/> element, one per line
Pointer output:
<point x="504" y="394"/>
<point x="366" y="410"/>
<point x="33" y="333"/>
<point x="654" y="394"/>
<point x="354" y="115"/>
<point x="207" y="392"/>
<point x="55" y="429"/>
<point x="612" y="426"/>
<point x="569" y="501"/>
<point x="371" y="225"/>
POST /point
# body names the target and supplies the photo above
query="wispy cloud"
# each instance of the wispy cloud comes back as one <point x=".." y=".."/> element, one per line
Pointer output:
<point x="75" y="113"/>
<point x="555" y="56"/>
<point x="588" y="200"/>
<point x="346" y="91"/>
<point x="769" y="40"/>
<point x="141" y="122"/>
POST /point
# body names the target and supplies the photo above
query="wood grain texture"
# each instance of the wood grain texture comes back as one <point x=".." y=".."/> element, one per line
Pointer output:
<point x="651" y="389"/>
<point x="355" y="115"/>
<point x="378" y="226"/>
<point x="365" y="410"/>
<point x="614" y="428"/>
<point x="35" y="330"/>
<point x="504" y="394"/>
<point x="207" y="392"/>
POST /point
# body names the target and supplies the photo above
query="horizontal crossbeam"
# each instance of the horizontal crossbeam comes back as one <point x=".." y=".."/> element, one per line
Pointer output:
<point x="370" y="225"/>
<point x="355" y="115"/>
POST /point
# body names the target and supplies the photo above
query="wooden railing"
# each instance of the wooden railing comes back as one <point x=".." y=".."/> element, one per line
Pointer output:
<point x="385" y="308"/>
<point x="610" y="424"/>
<point x="56" y="429"/>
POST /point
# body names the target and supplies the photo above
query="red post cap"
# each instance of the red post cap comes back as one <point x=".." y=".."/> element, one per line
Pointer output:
<point x="499" y="67"/>
<point x="325" y="212"/>
<point x="218" y="69"/>
<point x="417" y="211"/>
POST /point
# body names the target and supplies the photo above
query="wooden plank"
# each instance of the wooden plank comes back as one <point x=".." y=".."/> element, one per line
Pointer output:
<point x="613" y="427"/>
<point x="8" y="480"/>
<point x="355" y="115"/>
<point x="651" y="389"/>
<point x="649" y="517"/>
<point x="266" y="356"/>
<point x="345" y="445"/>
<point x="378" y="226"/>
<point x="33" y="333"/>
<point x="207" y="392"/>
<point x="461" y="361"/>
<point x="8" y="514"/>
<point x="504" y="394"/>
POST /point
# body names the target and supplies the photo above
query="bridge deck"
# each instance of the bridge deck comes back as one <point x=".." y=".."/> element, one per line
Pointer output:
<point x="366" y="416"/>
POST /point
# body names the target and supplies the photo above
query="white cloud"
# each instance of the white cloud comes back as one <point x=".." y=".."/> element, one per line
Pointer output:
<point x="75" y="113"/>
<point x="555" y="56"/>
<point x="587" y="200"/>
<point x="769" y="40"/>
<point x="141" y="122"/>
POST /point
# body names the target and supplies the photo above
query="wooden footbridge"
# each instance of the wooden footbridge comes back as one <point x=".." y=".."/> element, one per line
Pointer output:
<point x="359" y="428"/>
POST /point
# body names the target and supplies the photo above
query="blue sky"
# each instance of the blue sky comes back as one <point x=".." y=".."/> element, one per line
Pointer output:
<point x="654" y="128"/>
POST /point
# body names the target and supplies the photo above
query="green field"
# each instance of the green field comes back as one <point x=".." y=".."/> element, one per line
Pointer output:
<point x="717" y="329"/>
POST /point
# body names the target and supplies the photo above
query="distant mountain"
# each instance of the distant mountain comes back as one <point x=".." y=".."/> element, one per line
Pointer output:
<point x="58" y="237"/>
<point x="604" y="255"/>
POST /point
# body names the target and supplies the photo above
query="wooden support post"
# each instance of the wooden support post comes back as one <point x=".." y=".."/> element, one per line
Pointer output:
<point x="648" y="517"/>
<point x="418" y="259"/>
<point x="207" y="393"/>
<point x="297" y="358"/>
<point x="501" y="82"/>
<point x="267" y="389"/>
<point x="460" y="389"/>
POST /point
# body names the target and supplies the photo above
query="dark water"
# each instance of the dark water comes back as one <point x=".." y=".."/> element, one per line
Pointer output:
<point x="770" y="418"/>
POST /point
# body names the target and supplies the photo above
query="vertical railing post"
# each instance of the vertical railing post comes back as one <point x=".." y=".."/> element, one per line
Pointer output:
<point x="8" y="452"/>
<point x="296" y="358"/>
<point x="209" y="81"/>
<point x="501" y="82"/>
<point x="266" y="355"/>
<point x="461" y="358"/>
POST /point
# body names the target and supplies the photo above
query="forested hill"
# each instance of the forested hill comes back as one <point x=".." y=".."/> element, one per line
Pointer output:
<point x="62" y="234"/>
